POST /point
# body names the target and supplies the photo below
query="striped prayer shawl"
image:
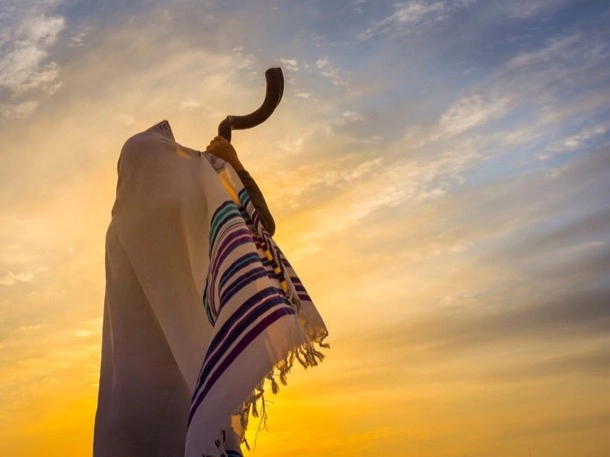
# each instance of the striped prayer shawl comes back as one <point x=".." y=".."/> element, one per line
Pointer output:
<point x="253" y="299"/>
<point x="201" y="307"/>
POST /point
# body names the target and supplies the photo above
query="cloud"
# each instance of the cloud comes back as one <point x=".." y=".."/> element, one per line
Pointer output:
<point x="410" y="223"/>
<point x="472" y="111"/>
<point x="522" y="9"/>
<point x="29" y="329"/>
<point x="361" y="170"/>
<point x="365" y="185"/>
<point x="78" y="39"/>
<point x="488" y="140"/>
<point x="557" y="49"/>
<point x="17" y="110"/>
<point x="574" y="142"/>
<point x="578" y="316"/>
<point x="590" y="226"/>
<point x="23" y="63"/>
<point x="580" y="263"/>
<point x="290" y="64"/>
<point x="350" y="116"/>
<point x="357" y="4"/>
<point x="92" y="327"/>
<point x="29" y="29"/>
<point x="189" y="103"/>
<point x="10" y="278"/>
<point x="126" y="119"/>
<point x="337" y="77"/>
<point x="412" y="15"/>
<point x="518" y="102"/>
<point x="243" y="61"/>
<point x="544" y="75"/>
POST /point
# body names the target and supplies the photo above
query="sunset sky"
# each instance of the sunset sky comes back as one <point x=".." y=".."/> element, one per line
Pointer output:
<point x="439" y="171"/>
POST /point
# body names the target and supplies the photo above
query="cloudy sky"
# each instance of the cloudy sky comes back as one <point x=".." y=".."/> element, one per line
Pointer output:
<point x="439" y="171"/>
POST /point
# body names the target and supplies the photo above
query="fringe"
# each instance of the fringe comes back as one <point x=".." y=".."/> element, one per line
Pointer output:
<point x="307" y="355"/>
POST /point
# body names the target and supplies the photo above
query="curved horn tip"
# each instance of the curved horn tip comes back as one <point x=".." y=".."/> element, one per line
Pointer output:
<point x="274" y="70"/>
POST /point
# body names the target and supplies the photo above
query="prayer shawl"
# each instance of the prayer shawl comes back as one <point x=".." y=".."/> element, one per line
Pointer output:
<point x="201" y="307"/>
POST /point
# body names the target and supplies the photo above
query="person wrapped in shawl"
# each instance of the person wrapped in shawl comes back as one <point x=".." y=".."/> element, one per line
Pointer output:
<point x="201" y="305"/>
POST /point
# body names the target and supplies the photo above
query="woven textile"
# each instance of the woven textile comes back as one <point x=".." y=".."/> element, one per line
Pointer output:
<point x="201" y="307"/>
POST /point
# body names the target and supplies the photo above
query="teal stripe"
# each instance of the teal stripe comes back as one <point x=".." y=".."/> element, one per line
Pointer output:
<point x="222" y="217"/>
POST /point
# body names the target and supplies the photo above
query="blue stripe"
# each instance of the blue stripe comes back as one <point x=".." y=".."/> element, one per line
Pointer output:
<point x="222" y="219"/>
<point x="232" y="242"/>
<point x="240" y="263"/>
<point x="219" y="213"/>
<point x="241" y="282"/>
<point x="244" y="197"/>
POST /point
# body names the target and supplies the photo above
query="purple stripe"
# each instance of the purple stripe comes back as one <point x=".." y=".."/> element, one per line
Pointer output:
<point x="229" y="241"/>
<point x="254" y="215"/>
<point x="219" y="222"/>
<point x="246" y="202"/>
<point x="237" y="350"/>
<point x="227" y="246"/>
<point x="240" y="283"/>
<point x="237" y="323"/>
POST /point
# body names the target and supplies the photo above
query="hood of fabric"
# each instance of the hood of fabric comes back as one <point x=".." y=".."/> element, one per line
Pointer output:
<point x="163" y="128"/>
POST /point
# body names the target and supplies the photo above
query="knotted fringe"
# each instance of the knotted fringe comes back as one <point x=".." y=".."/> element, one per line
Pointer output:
<point x="306" y="354"/>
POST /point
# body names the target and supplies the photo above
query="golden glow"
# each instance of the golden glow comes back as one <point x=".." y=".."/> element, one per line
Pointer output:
<point x="450" y="328"/>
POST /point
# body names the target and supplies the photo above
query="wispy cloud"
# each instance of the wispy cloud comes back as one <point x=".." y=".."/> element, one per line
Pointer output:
<point x="556" y="50"/>
<point x="290" y="64"/>
<point x="244" y="60"/>
<point x="573" y="142"/>
<point x="28" y="36"/>
<point x="88" y="329"/>
<point x="18" y="110"/>
<point x="560" y="317"/>
<point x="454" y="267"/>
<point x="413" y="15"/>
<point x="10" y="278"/>
<point x="79" y="39"/>
<point x="126" y="119"/>
<point x="337" y="76"/>
<point x="29" y="30"/>
<point x="357" y="4"/>
<point x="470" y="112"/>
<point x="188" y="103"/>
<point x="523" y="9"/>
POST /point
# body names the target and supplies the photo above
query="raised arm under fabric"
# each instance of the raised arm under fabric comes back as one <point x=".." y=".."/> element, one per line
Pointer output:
<point x="258" y="201"/>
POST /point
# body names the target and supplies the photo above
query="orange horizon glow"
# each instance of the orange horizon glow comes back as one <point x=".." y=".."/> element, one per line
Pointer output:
<point x="438" y="173"/>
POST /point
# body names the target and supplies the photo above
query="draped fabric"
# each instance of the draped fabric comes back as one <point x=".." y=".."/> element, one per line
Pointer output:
<point x="201" y="307"/>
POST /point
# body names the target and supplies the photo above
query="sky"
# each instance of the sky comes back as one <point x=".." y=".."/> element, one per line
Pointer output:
<point x="439" y="172"/>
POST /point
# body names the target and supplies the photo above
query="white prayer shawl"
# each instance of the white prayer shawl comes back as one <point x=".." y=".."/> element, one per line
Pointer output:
<point x="201" y="306"/>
